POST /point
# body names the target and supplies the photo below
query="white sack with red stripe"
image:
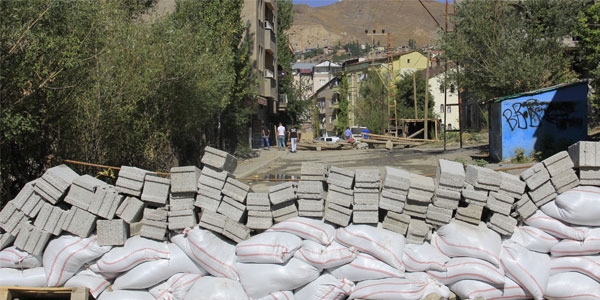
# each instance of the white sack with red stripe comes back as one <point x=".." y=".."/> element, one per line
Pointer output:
<point x="307" y="229"/>
<point x="151" y="273"/>
<point x="216" y="288"/>
<point x="424" y="257"/>
<point x="533" y="239"/>
<point x="86" y="278"/>
<point x="589" y="246"/>
<point x="556" y="227"/>
<point x="527" y="268"/>
<point x="12" y="257"/>
<point x="572" y="285"/>
<point x="414" y="286"/>
<point x="365" y="267"/>
<point x="268" y="247"/>
<point x="279" y="295"/>
<point x="260" y="280"/>
<point x="208" y="250"/>
<point x="136" y="250"/>
<point x="459" y="239"/>
<point x="176" y="287"/>
<point x="65" y="255"/>
<point x="326" y="287"/>
<point x="109" y="294"/>
<point x="325" y="257"/>
<point x="475" y="289"/>
<point x="462" y="268"/>
<point x="386" y="245"/>
<point x="579" y="206"/>
<point x="588" y="265"/>
<point x="34" y="277"/>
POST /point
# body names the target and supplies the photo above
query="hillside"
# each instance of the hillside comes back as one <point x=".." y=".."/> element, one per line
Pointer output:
<point x="346" y="21"/>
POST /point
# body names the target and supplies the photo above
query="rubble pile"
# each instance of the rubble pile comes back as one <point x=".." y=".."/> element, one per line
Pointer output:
<point x="334" y="234"/>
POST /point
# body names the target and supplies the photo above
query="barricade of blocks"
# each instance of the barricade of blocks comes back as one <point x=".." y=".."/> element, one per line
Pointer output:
<point x="181" y="213"/>
<point x="313" y="171"/>
<point x="55" y="182"/>
<point x="394" y="189"/>
<point x="219" y="159"/>
<point x="340" y="196"/>
<point x="260" y="216"/>
<point x="311" y="198"/>
<point x="365" y="203"/>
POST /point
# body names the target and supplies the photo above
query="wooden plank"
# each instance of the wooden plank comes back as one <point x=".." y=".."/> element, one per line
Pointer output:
<point x="21" y="292"/>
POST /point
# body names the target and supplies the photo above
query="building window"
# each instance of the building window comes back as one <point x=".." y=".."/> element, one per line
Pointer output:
<point x="448" y="109"/>
<point x="449" y="126"/>
<point x="441" y="108"/>
<point x="452" y="88"/>
<point x="408" y="60"/>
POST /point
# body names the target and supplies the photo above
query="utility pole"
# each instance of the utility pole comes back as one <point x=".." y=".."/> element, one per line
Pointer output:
<point x="392" y="119"/>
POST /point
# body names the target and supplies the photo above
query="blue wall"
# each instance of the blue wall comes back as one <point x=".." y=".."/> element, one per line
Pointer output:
<point x="545" y="121"/>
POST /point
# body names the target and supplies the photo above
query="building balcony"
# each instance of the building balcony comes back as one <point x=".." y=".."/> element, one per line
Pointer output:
<point x="282" y="102"/>
<point x="269" y="88"/>
<point x="271" y="4"/>
<point x="270" y="41"/>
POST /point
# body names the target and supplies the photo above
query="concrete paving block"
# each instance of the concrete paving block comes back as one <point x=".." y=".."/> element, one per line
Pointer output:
<point x="111" y="232"/>
<point x="82" y="191"/>
<point x="365" y="217"/>
<point x="470" y="214"/>
<point x="130" y="180"/>
<point x="260" y="220"/>
<point x="182" y="201"/>
<point x="184" y="179"/>
<point x="232" y="209"/>
<point x="419" y="195"/>
<point x="396" y="222"/>
<point x="499" y="206"/>
<point x="482" y="178"/>
<point x="393" y="205"/>
<point x="525" y="207"/>
<point x="366" y="198"/>
<point x="55" y="221"/>
<point x="589" y="176"/>
<point x="219" y="159"/>
<point x="367" y="178"/>
<point x="438" y="215"/>
<point x="213" y="178"/>
<point x="155" y="230"/>
<point x="258" y="200"/>
<point x="542" y="194"/>
<point x="281" y="195"/>
<point x="82" y="223"/>
<point x="182" y="222"/>
<point x="12" y="223"/>
<point x="585" y="154"/>
<point x="535" y="176"/>
<point x="416" y="209"/>
<point x="156" y="189"/>
<point x="310" y="187"/>
<point x="393" y="194"/>
<point x="55" y="182"/>
<point x="9" y="209"/>
<point x="156" y="214"/>
<point x="422" y="183"/>
<point x="511" y="185"/>
<point x="340" y="177"/>
<point x="450" y="174"/>
<point x="340" y="197"/>
<point x="502" y="224"/>
<point x="6" y="240"/>
<point x="20" y="240"/>
<point x="207" y="203"/>
<point x="337" y="214"/>
<point x="565" y="181"/>
<point x="131" y="210"/>
<point x="558" y="162"/>
<point x="135" y="228"/>
<point x="311" y="205"/>
<point x="236" y="231"/>
<point x="479" y="196"/>
<point x="236" y="189"/>
<point x="24" y="195"/>
<point x="212" y="221"/>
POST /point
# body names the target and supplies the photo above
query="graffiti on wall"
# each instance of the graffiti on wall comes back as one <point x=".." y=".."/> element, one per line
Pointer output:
<point x="531" y="113"/>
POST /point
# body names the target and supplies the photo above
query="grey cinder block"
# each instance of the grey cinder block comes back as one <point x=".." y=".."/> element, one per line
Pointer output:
<point x="281" y="193"/>
<point x="82" y="191"/>
<point x="81" y="222"/>
<point x="260" y="220"/>
<point x="450" y="174"/>
<point x="502" y="224"/>
<point x="219" y="159"/>
<point x="55" y="182"/>
<point x="511" y="185"/>
<point x="337" y="214"/>
<point x="155" y="230"/>
<point x="284" y="211"/>
<point x="558" y="162"/>
<point x="232" y="209"/>
<point x="525" y="207"/>
<point x="482" y="178"/>
<point x="212" y="221"/>
<point x="156" y="214"/>
<point x="470" y="214"/>
<point x="111" y="232"/>
<point x="156" y="189"/>
<point x="589" y="176"/>
<point x="438" y="216"/>
<point x="340" y="177"/>
<point x="236" y="189"/>
<point x="367" y="178"/>
<point x="236" y="231"/>
<point x="565" y="180"/>
<point x="130" y="210"/>
<point x="340" y="196"/>
<point x="585" y="154"/>
<point x="184" y="179"/>
<point x="365" y="216"/>
<point x="543" y="194"/>
<point x="396" y="222"/>
<point x="535" y="176"/>
<point x="131" y="180"/>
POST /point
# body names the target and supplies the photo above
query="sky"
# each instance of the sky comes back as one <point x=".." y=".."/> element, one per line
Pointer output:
<point x="316" y="3"/>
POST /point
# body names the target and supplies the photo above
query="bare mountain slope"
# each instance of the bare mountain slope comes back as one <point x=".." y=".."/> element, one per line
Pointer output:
<point x="346" y="21"/>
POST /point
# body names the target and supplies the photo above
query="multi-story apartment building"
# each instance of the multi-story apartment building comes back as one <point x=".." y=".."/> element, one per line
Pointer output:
<point x="261" y="15"/>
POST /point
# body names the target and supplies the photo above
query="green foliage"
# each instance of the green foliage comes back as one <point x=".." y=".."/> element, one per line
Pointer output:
<point x="521" y="158"/>
<point x="589" y="53"/>
<point x="342" y="115"/>
<point x="505" y="48"/>
<point x="405" y="97"/>
<point x="372" y="103"/>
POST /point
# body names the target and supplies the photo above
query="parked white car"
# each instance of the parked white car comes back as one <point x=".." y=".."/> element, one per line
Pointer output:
<point x="329" y="139"/>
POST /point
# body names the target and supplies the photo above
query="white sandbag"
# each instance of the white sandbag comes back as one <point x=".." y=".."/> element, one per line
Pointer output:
<point x="589" y="246"/>
<point x="176" y="287"/>
<point x="588" y="265"/>
<point x="307" y="229"/>
<point x="556" y="227"/>
<point x="533" y="239"/>
<point x="464" y="268"/>
<point x="95" y="283"/>
<point x="151" y="273"/>
<point x="34" y="277"/>
<point x="268" y="247"/>
<point x="386" y="245"/>
<point x="579" y="206"/>
<point x="326" y="287"/>
<point x="475" y="289"/>
<point x="457" y="239"/>
<point x="414" y="286"/>
<point x="136" y="250"/>
<point x="527" y="268"/>
<point x="424" y="257"/>
<point x="109" y="294"/>
<point x="279" y="295"/>
<point x="216" y="288"/>
<point x="325" y="257"/>
<point x="260" y="280"/>
<point x="209" y="251"/>
<point x="365" y="267"/>
<point x="572" y="285"/>
<point x="65" y="255"/>
<point x="12" y="257"/>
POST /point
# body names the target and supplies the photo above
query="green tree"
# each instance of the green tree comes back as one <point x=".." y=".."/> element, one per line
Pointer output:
<point x="588" y="32"/>
<point x="372" y="103"/>
<point x="342" y="115"/>
<point x="405" y="99"/>
<point x="504" y="47"/>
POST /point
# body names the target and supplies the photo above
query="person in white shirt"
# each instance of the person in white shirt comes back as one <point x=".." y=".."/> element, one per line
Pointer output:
<point x="281" y="136"/>
<point x="294" y="136"/>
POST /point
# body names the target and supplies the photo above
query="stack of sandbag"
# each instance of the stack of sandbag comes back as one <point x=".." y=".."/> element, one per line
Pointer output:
<point x="120" y="242"/>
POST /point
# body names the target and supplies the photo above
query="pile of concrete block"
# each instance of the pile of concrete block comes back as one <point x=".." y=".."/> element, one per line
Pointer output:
<point x="260" y="216"/>
<point x="184" y="187"/>
<point x="283" y="201"/>
<point x="311" y="198"/>
<point x="394" y="189"/>
<point x="586" y="159"/>
<point x="340" y="196"/>
<point x="313" y="171"/>
<point x="365" y="204"/>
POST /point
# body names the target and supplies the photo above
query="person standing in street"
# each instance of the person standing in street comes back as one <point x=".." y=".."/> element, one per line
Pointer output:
<point x="294" y="136"/>
<point x="281" y="136"/>
<point x="347" y="133"/>
<point x="265" y="136"/>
